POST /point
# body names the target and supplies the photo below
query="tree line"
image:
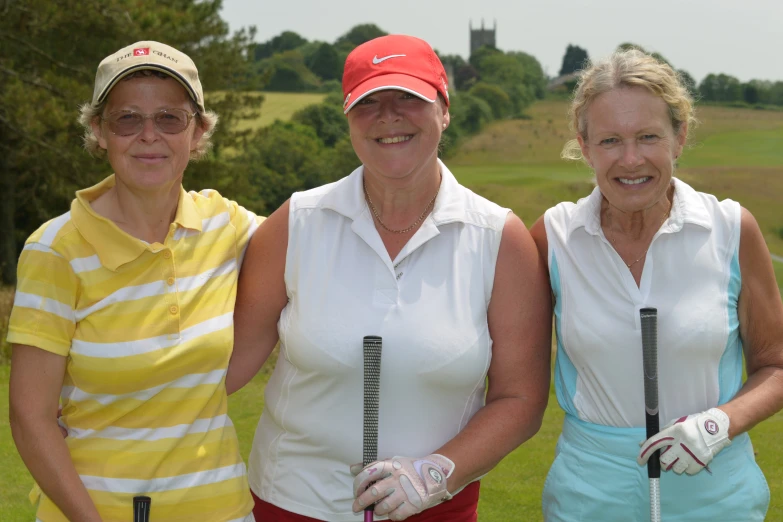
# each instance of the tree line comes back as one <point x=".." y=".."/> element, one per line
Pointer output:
<point x="47" y="65"/>
<point x="714" y="88"/>
<point x="47" y="68"/>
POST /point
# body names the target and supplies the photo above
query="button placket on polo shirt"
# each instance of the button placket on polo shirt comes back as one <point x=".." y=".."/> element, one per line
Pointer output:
<point x="386" y="289"/>
<point x="171" y="295"/>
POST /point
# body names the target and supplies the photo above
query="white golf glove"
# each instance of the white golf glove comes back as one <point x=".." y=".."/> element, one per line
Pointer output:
<point x="402" y="486"/>
<point x="690" y="442"/>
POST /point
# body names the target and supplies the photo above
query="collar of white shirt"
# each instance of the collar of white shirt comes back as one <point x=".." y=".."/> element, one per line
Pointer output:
<point x="687" y="207"/>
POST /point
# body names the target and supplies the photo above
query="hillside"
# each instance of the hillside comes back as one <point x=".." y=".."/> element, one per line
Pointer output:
<point x="734" y="153"/>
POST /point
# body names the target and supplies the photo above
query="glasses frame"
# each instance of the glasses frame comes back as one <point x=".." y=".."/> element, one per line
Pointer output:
<point x="188" y="115"/>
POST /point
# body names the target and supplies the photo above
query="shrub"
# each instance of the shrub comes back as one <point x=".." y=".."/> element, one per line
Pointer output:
<point x="496" y="97"/>
<point x="327" y="119"/>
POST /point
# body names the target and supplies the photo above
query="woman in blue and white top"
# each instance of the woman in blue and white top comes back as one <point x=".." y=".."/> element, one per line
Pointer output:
<point x="644" y="238"/>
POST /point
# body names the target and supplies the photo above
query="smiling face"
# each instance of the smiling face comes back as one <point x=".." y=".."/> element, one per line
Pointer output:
<point x="396" y="134"/>
<point x="150" y="160"/>
<point x="631" y="146"/>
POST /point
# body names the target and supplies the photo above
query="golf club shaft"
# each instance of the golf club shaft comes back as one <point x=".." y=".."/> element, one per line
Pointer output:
<point x="649" y="323"/>
<point x="141" y="508"/>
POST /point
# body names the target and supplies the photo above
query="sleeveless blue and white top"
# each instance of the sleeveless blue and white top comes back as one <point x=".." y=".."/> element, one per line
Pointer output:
<point x="691" y="275"/>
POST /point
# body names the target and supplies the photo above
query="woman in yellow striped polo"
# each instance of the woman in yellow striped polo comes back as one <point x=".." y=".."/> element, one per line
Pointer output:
<point x="124" y="310"/>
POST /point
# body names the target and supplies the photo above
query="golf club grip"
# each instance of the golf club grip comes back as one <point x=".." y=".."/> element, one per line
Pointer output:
<point x="141" y="509"/>
<point x="649" y="320"/>
<point x="372" y="346"/>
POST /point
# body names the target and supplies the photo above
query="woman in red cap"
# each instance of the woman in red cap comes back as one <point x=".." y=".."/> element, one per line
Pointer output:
<point x="451" y="282"/>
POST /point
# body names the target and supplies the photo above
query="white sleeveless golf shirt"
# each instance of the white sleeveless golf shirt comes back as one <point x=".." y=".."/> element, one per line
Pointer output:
<point x="429" y="305"/>
<point x="691" y="275"/>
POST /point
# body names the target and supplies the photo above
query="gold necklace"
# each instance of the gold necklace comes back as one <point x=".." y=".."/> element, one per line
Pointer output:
<point x="614" y="243"/>
<point x="415" y="223"/>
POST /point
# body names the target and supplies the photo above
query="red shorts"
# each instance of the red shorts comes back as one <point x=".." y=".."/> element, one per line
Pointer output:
<point x="461" y="508"/>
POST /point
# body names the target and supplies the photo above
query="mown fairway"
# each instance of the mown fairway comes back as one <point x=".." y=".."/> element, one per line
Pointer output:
<point x="735" y="153"/>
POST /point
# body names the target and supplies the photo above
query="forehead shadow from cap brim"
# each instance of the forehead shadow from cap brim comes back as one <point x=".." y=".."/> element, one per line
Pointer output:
<point x="149" y="67"/>
<point x="392" y="82"/>
<point x="390" y="88"/>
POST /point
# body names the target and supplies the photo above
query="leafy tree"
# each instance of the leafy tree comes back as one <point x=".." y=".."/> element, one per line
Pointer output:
<point x="469" y="114"/>
<point x="340" y="160"/>
<point x="326" y="119"/>
<point x="43" y="81"/>
<point x="287" y="72"/>
<point x="357" y="35"/>
<point x="454" y="60"/>
<point x="535" y="78"/>
<point x="495" y="97"/>
<point x="505" y="71"/>
<point x="720" y="88"/>
<point x="285" y="41"/>
<point x="574" y="59"/>
<point x="776" y="93"/>
<point x="750" y="93"/>
<point x="331" y="86"/>
<point x="280" y="159"/>
<point x="482" y="53"/>
<point x="325" y="62"/>
<point x="452" y="63"/>
<point x="465" y="77"/>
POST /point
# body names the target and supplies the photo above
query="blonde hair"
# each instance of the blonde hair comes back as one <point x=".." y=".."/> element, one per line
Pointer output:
<point x="631" y="68"/>
<point x="88" y="113"/>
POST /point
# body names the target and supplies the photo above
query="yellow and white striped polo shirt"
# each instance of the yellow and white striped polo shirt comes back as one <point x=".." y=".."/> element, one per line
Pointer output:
<point x="148" y="332"/>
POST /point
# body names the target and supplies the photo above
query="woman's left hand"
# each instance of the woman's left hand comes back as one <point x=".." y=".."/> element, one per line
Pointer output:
<point x="690" y="442"/>
<point x="402" y="486"/>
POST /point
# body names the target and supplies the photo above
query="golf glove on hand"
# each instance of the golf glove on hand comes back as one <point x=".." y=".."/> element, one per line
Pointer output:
<point x="689" y="443"/>
<point x="402" y="486"/>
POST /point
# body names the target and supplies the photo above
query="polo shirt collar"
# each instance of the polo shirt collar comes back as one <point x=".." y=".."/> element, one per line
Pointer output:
<point x="347" y="197"/>
<point x="187" y="215"/>
<point x="114" y="246"/>
<point x="687" y="207"/>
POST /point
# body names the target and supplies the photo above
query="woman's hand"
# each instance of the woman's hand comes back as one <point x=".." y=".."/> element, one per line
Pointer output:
<point x="402" y="486"/>
<point x="690" y="442"/>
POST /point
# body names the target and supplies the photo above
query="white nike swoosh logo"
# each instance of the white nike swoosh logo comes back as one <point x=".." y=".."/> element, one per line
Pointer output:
<point x="377" y="60"/>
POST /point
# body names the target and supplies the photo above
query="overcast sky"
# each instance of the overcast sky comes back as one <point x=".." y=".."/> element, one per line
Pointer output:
<point x="743" y="38"/>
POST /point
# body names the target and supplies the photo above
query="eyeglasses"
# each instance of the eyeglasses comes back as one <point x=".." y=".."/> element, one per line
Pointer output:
<point x="168" y="121"/>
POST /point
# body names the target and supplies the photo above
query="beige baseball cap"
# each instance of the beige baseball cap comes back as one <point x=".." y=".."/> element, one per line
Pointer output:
<point x="147" y="55"/>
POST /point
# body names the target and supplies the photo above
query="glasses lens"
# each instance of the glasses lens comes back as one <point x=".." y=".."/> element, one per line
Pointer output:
<point x="172" y="121"/>
<point x="125" y="123"/>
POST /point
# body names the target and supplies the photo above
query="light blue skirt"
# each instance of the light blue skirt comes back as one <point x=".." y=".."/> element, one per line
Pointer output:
<point x="595" y="478"/>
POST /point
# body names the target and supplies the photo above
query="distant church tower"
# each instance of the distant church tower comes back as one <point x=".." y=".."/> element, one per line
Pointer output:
<point x="479" y="37"/>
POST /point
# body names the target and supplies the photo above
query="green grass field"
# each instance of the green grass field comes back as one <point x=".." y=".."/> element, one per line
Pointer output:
<point x="279" y="106"/>
<point x="735" y="153"/>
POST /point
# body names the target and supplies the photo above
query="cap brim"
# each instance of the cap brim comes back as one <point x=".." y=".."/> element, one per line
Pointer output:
<point x="155" y="67"/>
<point x="397" y="82"/>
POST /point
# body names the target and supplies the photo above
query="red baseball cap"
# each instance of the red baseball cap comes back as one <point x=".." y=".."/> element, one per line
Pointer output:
<point x="396" y="61"/>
